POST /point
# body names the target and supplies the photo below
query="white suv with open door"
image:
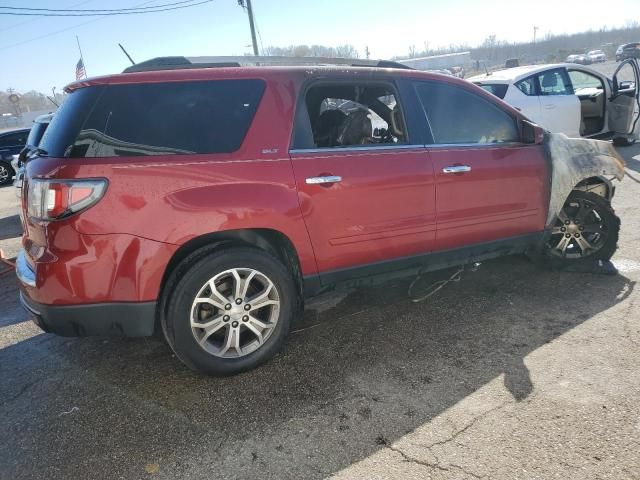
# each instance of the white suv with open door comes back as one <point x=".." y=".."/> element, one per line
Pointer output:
<point x="572" y="99"/>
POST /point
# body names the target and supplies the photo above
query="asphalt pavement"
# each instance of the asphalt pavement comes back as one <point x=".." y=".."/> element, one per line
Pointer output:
<point x="514" y="372"/>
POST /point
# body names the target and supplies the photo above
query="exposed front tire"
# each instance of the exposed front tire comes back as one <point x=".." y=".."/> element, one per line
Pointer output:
<point x="586" y="228"/>
<point x="6" y="173"/>
<point x="229" y="311"/>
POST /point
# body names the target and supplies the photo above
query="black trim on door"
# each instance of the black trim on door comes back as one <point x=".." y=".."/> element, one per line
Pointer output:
<point x="378" y="272"/>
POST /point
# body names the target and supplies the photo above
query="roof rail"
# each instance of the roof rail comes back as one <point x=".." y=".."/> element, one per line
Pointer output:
<point x="177" y="63"/>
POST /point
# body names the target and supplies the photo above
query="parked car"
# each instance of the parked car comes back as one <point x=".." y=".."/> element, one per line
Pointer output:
<point x="628" y="50"/>
<point x="579" y="59"/>
<point x="512" y="63"/>
<point x="10" y="144"/>
<point x="567" y="98"/>
<point x="38" y="128"/>
<point x="597" y="56"/>
<point x="269" y="193"/>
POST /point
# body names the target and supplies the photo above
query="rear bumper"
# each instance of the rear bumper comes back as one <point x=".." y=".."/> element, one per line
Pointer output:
<point x="130" y="319"/>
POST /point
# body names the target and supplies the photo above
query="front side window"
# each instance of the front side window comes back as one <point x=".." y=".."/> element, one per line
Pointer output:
<point x="169" y="118"/>
<point x="581" y="80"/>
<point x="458" y="116"/>
<point x="554" y="82"/>
<point x="348" y="115"/>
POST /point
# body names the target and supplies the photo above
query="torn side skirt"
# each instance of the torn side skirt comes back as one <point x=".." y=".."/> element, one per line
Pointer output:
<point x="573" y="160"/>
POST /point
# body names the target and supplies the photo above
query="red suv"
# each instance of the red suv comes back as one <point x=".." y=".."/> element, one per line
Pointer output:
<point x="211" y="200"/>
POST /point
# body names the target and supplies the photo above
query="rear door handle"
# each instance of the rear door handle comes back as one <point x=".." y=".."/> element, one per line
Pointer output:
<point x="320" y="180"/>
<point x="456" y="169"/>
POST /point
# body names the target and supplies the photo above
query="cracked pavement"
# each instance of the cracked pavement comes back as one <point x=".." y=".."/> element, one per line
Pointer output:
<point x="512" y="373"/>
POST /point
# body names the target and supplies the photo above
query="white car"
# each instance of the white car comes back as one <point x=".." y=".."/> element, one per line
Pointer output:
<point x="569" y="98"/>
<point x="597" y="56"/>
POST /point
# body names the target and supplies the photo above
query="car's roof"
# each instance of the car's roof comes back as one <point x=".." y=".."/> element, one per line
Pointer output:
<point x="515" y="74"/>
<point x="265" y="72"/>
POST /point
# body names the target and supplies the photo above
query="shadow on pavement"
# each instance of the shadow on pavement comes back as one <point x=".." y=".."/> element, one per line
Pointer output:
<point x="372" y="365"/>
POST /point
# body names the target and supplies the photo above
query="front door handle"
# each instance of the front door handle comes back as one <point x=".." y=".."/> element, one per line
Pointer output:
<point x="550" y="106"/>
<point x="320" y="180"/>
<point x="456" y="169"/>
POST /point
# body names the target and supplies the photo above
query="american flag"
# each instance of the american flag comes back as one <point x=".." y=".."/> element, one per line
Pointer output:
<point x="80" y="72"/>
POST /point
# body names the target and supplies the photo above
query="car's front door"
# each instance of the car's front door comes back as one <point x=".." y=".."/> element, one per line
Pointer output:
<point x="624" y="102"/>
<point x="489" y="185"/>
<point x="367" y="193"/>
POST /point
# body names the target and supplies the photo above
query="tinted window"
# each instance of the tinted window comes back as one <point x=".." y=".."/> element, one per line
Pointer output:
<point x="169" y="118"/>
<point x="554" y="82"/>
<point x="13" y="139"/>
<point x="527" y="86"/>
<point x="457" y="115"/>
<point x="498" y="89"/>
<point x="64" y="127"/>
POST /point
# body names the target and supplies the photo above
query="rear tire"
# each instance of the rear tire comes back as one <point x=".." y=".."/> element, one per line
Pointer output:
<point x="229" y="311"/>
<point x="587" y="229"/>
<point x="6" y="173"/>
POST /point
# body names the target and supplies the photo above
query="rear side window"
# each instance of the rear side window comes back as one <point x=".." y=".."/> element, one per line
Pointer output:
<point x="498" y="89"/>
<point x="458" y="116"/>
<point x="527" y="86"/>
<point x="36" y="133"/>
<point x="169" y="118"/>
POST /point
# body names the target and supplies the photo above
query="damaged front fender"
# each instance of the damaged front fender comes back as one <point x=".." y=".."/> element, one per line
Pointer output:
<point x="573" y="160"/>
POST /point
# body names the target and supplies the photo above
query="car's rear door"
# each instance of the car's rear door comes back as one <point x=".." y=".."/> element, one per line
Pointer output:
<point x="367" y="203"/>
<point x="560" y="107"/>
<point x="624" y="101"/>
<point x="489" y="185"/>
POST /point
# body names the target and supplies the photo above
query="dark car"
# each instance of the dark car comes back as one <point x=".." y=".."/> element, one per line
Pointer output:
<point x="38" y="128"/>
<point x="11" y="143"/>
<point x="629" y="50"/>
<point x="210" y="202"/>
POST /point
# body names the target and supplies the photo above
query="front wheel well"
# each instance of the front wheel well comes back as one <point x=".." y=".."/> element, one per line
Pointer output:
<point x="268" y="240"/>
<point x="598" y="185"/>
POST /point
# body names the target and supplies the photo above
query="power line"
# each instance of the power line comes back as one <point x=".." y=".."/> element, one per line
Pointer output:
<point x="31" y="20"/>
<point x="62" y="30"/>
<point x="98" y="14"/>
<point x="94" y="9"/>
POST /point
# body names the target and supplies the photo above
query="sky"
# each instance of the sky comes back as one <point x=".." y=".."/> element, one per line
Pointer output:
<point x="40" y="53"/>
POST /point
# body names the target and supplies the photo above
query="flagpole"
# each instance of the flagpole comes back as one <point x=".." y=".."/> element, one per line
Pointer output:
<point x="81" y="58"/>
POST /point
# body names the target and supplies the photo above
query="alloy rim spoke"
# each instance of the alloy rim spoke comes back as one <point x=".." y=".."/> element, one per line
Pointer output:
<point x="556" y="231"/>
<point x="209" y="301"/>
<point x="231" y="340"/>
<point x="215" y="294"/>
<point x="584" y="244"/>
<point x="209" y="328"/>
<point x="257" y="333"/>
<point x="563" y="244"/>
<point x="563" y="216"/>
<point x="257" y="323"/>
<point x="247" y="282"/>
<point x="259" y="298"/>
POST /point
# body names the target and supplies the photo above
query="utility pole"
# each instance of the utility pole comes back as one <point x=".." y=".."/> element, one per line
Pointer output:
<point x="251" y="24"/>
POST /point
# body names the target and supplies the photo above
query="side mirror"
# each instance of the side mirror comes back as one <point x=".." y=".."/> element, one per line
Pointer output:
<point x="531" y="133"/>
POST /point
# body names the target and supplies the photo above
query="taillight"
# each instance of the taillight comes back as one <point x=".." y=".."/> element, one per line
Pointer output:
<point x="56" y="199"/>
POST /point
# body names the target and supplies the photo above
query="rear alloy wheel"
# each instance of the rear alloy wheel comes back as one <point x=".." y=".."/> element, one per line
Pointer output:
<point x="6" y="172"/>
<point x="586" y="227"/>
<point x="230" y="310"/>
